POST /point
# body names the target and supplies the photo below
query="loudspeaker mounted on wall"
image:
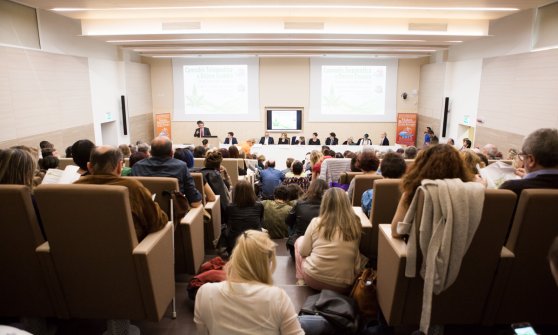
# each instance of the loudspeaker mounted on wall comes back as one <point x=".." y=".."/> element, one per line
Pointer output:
<point x="124" y="118"/>
<point x="445" y="119"/>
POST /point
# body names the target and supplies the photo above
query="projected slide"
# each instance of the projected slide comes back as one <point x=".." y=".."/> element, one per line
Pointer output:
<point x="353" y="90"/>
<point x="215" y="89"/>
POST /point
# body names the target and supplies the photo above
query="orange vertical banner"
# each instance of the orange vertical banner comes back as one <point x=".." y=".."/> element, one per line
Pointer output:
<point x="406" y="129"/>
<point x="163" y="125"/>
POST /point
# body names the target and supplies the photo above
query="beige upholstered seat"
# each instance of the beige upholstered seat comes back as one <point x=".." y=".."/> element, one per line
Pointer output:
<point x="63" y="162"/>
<point x="363" y="182"/>
<point x="387" y="193"/>
<point x="211" y="231"/>
<point x="464" y="302"/>
<point x="524" y="288"/>
<point x="198" y="162"/>
<point x="345" y="178"/>
<point x="24" y="286"/>
<point x="103" y="271"/>
<point x="231" y="164"/>
<point x="188" y="236"/>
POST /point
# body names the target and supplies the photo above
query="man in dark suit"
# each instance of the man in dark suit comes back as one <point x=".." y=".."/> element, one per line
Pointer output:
<point x="266" y="139"/>
<point x="539" y="154"/>
<point x="331" y="140"/>
<point x="230" y="138"/>
<point x="364" y="140"/>
<point x="202" y="131"/>
<point x="384" y="140"/>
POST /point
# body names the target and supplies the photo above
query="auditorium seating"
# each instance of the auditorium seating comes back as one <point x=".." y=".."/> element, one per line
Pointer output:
<point x="103" y="271"/>
<point x="25" y="288"/>
<point x="524" y="288"/>
<point x="387" y="193"/>
<point x="231" y="164"/>
<point x="212" y="230"/>
<point x="400" y="298"/>
<point x="345" y="178"/>
<point x="332" y="168"/>
<point x="363" y="182"/>
<point x="63" y="162"/>
<point x="189" y="246"/>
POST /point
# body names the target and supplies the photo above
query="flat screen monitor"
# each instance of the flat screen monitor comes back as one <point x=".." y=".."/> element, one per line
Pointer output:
<point x="284" y="119"/>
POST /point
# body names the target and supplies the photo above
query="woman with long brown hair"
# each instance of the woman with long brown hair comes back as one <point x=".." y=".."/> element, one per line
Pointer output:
<point x="440" y="161"/>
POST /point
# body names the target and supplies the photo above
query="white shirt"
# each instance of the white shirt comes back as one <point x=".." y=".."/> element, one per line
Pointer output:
<point x="244" y="308"/>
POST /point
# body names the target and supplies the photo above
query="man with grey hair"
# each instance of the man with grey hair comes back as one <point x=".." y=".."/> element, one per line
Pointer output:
<point x="162" y="164"/>
<point x="491" y="152"/>
<point x="539" y="154"/>
<point x="105" y="166"/>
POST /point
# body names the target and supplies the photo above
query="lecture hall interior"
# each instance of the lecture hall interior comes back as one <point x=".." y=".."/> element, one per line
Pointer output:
<point x="486" y="70"/>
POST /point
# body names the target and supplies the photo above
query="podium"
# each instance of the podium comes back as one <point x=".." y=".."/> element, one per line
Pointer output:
<point x="212" y="141"/>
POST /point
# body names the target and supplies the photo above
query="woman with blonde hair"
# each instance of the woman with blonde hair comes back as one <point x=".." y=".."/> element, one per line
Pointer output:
<point x="17" y="166"/>
<point x="247" y="302"/>
<point x="440" y="161"/>
<point x="284" y="139"/>
<point x="327" y="256"/>
<point x="315" y="162"/>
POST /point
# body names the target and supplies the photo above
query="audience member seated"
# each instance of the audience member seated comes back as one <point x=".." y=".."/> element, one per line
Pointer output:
<point x="328" y="253"/>
<point x="289" y="164"/>
<point x="230" y="139"/>
<point x="295" y="192"/>
<point x="105" y="166"/>
<point x="212" y="178"/>
<point x="349" y="141"/>
<point x="125" y="149"/>
<point x="364" y="140"/>
<point x="162" y="164"/>
<point x="144" y="147"/>
<point x="69" y="152"/>
<point x="316" y="158"/>
<point x="297" y="176"/>
<point x="247" y="145"/>
<point x="243" y="213"/>
<point x="392" y="166"/>
<point x="261" y="162"/>
<point x="410" y="153"/>
<point x="284" y="139"/>
<point x="440" y="161"/>
<point x="234" y="153"/>
<point x="270" y="178"/>
<point x="185" y="155"/>
<point x="428" y="133"/>
<point x="434" y="140"/>
<point x="307" y="208"/>
<point x="199" y="151"/>
<point x="266" y="139"/>
<point x="275" y="213"/>
<point x="136" y="157"/>
<point x="471" y="160"/>
<point x="247" y="302"/>
<point x="368" y="163"/>
<point x="17" y="167"/>
<point x="482" y="157"/>
<point x="383" y="139"/>
<point x="450" y="142"/>
<point x="314" y="140"/>
<point x="48" y="162"/>
<point x="332" y="139"/>
<point x="491" y="152"/>
<point x="81" y="151"/>
<point x="540" y="161"/>
<point x="466" y="144"/>
<point x="205" y="144"/>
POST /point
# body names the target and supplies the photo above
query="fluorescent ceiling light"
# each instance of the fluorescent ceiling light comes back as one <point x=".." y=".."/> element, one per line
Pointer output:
<point x="264" y="40"/>
<point x="451" y="9"/>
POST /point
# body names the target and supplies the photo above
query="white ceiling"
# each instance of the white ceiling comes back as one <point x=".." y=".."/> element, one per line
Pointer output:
<point x="361" y="28"/>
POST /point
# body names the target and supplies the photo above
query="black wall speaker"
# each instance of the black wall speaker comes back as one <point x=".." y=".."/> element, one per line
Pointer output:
<point x="124" y="119"/>
<point x="445" y="120"/>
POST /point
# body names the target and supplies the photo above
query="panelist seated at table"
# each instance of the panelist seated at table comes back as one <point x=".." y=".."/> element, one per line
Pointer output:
<point x="230" y="139"/>
<point x="202" y="131"/>
<point x="284" y="139"/>
<point x="332" y="140"/>
<point x="314" y="140"/>
<point x="383" y="139"/>
<point x="349" y="141"/>
<point x="300" y="140"/>
<point x="364" y="140"/>
<point x="266" y="139"/>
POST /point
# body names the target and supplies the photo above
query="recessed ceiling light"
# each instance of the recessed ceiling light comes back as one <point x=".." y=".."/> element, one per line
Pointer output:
<point x="359" y="7"/>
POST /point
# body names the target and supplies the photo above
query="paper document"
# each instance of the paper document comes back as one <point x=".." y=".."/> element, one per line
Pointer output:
<point x="66" y="176"/>
<point x="497" y="173"/>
